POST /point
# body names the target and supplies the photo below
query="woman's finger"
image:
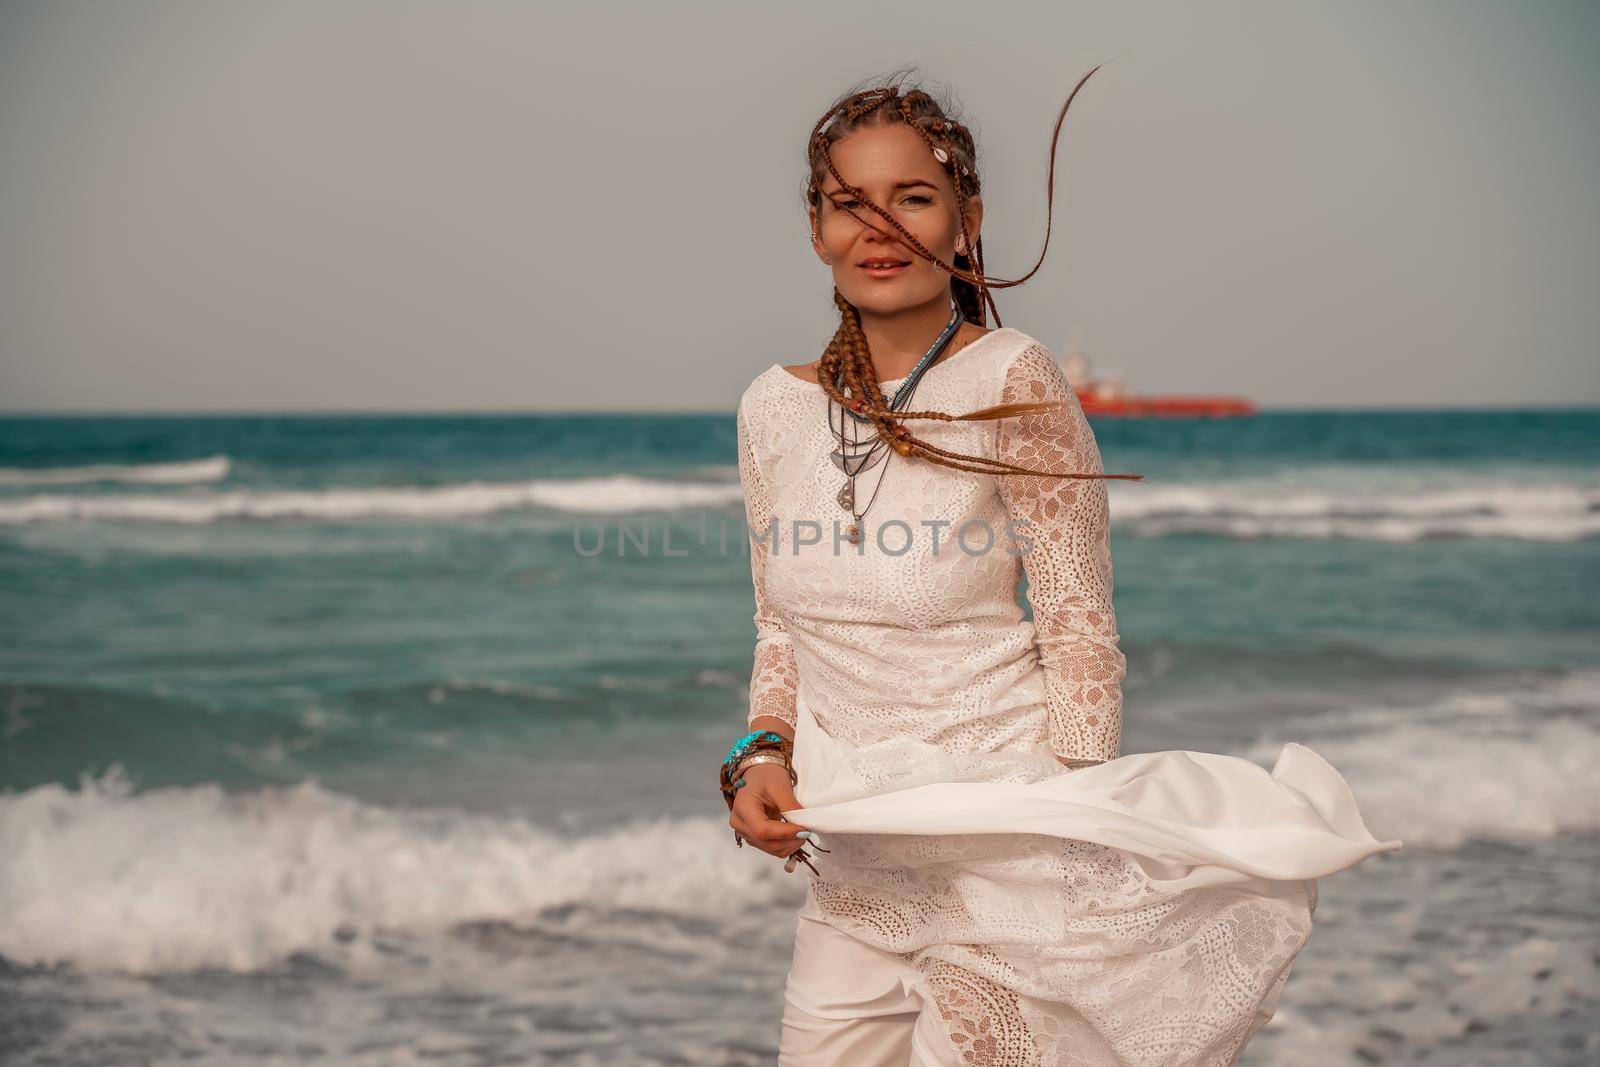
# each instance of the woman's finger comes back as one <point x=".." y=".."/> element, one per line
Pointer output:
<point x="755" y="811"/>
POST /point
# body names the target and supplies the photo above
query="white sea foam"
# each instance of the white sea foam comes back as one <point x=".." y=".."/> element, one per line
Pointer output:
<point x="178" y="878"/>
<point x="181" y="472"/>
<point x="1431" y="1005"/>
<point x="1550" y="512"/>
<point x="612" y="494"/>
<point x="1498" y="762"/>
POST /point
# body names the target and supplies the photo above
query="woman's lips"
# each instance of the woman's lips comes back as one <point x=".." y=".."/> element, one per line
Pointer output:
<point x="885" y="272"/>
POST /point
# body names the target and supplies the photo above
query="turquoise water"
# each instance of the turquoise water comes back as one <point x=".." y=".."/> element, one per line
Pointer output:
<point x="223" y="639"/>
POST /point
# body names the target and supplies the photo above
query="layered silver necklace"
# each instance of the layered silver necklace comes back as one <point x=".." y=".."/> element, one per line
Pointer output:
<point x="856" y="454"/>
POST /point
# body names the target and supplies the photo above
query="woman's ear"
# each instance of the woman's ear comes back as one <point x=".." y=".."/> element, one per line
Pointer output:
<point x="974" y="217"/>
<point x="816" y="238"/>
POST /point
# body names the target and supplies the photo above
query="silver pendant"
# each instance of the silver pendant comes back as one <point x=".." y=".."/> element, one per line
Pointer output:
<point x="847" y="496"/>
<point x="855" y="463"/>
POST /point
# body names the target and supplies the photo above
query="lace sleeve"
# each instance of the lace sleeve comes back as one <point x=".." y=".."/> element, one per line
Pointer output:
<point x="773" y="679"/>
<point x="1069" y="563"/>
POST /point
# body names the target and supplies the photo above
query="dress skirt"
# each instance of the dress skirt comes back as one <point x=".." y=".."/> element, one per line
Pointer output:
<point x="1146" y="910"/>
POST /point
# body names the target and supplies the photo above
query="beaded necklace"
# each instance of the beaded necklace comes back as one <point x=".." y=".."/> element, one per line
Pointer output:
<point x="849" y="457"/>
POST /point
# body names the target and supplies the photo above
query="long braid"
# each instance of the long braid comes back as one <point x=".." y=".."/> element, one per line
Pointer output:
<point x="848" y="357"/>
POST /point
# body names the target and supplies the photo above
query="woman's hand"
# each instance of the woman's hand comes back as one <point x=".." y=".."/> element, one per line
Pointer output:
<point x="765" y="793"/>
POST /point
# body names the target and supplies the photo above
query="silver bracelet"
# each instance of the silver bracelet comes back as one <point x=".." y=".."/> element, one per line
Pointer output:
<point x="766" y="756"/>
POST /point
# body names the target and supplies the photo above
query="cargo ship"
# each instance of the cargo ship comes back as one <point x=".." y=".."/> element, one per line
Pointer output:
<point x="1108" y="395"/>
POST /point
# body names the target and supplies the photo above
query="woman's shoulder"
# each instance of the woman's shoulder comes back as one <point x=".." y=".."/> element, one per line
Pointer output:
<point x="772" y="382"/>
<point x="1012" y="343"/>
<point x="1004" y="355"/>
<point x="773" y="398"/>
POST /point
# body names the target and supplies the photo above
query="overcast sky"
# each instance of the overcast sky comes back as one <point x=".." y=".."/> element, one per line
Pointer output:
<point x="526" y="206"/>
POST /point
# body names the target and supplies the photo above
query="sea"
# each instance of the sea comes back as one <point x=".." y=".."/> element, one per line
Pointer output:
<point x="393" y="739"/>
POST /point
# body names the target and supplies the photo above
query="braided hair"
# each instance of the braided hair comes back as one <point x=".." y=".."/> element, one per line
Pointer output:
<point x="848" y="357"/>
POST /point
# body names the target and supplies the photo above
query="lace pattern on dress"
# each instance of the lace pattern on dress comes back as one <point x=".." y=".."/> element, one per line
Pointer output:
<point x="1069" y="565"/>
<point x="773" y="679"/>
<point x="1045" y="951"/>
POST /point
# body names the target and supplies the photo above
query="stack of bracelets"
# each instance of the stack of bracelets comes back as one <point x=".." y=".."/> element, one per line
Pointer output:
<point x="760" y="746"/>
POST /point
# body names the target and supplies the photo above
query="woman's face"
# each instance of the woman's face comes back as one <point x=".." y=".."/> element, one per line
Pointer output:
<point x="893" y="166"/>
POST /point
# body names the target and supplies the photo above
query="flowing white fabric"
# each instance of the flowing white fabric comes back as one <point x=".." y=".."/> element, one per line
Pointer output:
<point x="1189" y="820"/>
<point x="1143" y="910"/>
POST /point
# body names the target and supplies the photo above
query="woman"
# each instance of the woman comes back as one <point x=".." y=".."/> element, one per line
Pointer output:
<point x="998" y="886"/>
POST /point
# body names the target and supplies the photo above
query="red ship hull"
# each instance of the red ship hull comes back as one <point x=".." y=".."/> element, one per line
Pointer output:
<point x="1166" y="407"/>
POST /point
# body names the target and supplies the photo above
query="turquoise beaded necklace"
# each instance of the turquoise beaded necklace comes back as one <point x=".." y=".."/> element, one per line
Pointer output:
<point x="853" y="463"/>
<point x="897" y="402"/>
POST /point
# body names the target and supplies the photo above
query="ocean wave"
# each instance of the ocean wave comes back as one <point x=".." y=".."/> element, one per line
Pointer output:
<point x="1495" y="761"/>
<point x="203" y="877"/>
<point x="180" y="472"/>
<point x="611" y="494"/>
<point x="54" y="732"/>
<point x="174" y="879"/>
<point x="1552" y="512"/>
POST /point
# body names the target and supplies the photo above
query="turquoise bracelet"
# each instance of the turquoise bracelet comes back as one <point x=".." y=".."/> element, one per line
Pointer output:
<point x="742" y="746"/>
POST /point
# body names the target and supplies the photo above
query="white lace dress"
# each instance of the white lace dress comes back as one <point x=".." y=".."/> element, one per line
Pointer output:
<point x="1143" y="910"/>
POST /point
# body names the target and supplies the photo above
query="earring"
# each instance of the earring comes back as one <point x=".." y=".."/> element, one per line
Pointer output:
<point x="961" y="243"/>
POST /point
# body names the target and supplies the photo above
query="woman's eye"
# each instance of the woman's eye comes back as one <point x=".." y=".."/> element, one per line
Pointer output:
<point x="907" y="200"/>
